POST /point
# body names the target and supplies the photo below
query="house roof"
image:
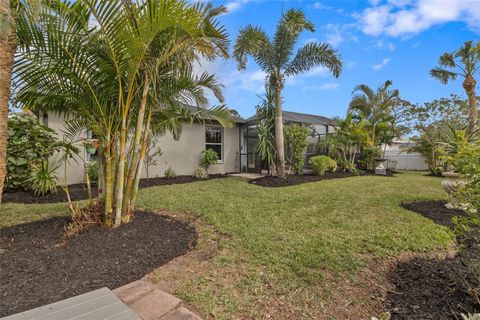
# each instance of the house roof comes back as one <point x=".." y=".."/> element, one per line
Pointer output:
<point x="235" y="116"/>
<point x="291" y="116"/>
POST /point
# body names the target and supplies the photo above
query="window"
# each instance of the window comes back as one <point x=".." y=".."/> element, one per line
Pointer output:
<point x="214" y="140"/>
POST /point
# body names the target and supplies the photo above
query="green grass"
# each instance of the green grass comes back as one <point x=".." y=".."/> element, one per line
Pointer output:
<point x="288" y="238"/>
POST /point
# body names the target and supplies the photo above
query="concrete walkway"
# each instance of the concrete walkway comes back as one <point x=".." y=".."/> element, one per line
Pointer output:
<point x="151" y="303"/>
<point x="245" y="175"/>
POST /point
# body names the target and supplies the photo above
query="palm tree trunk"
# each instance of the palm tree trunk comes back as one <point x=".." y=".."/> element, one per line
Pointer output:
<point x="7" y="52"/>
<point x="108" y="185"/>
<point x="120" y="180"/>
<point x="279" y="133"/>
<point x="134" y="163"/>
<point x="469" y="86"/>
<point x="138" y="174"/>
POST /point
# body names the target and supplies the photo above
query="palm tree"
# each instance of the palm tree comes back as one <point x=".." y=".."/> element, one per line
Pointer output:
<point x="464" y="63"/>
<point x="375" y="108"/>
<point x="274" y="56"/>
<point x="115" y="76"/>
<point x="12" y="13"/>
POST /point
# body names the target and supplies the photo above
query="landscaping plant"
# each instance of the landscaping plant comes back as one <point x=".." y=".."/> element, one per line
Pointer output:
<point x="170" y="174"/>
<point x="30" y="145"/>
<point x="200" y="173"/>
<point x="209" y="157"/>
<point x="117" y="76"/>
<point x="296" y="146"/>
<point x="274" y="56"/>
<point x="266" y="132"/>
<point x="322" y="164"/>
<point x="43" y="179"/>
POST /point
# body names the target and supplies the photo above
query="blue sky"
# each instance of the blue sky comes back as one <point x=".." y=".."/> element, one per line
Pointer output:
<point x="398" y="40"/>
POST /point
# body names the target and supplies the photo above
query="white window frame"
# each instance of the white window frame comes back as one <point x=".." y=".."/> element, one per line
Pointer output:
<point x="221" y="144"/>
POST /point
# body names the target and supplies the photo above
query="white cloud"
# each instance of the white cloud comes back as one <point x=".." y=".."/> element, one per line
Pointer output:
<point x="339" y="33"/>
<point x="400" y="18"/>
<point x="330" y="86"/>
<point x="382" y="64"/>
<point x="320" y="6"/>
<point x="385" y="45"/>
<point x="235" y="5"/>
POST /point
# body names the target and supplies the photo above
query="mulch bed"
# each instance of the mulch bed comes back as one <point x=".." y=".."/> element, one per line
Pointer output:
<point x="291" y="180"/>
<point x="426" y="288"/>
<point x="79" y="192"/>
<point x="36" y="268"/>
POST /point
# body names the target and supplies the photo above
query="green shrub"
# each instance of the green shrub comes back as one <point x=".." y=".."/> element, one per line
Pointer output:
<point x="467" y="163"/>
<point x="321" y="164"/>
<point x="43" y="179"/>
<point x="170" y="174"/>
<point x="296" y="146"/>
<point x="92" y="171"/>
<point x="200" y="173"/>
<point x="209" y="157"/>
<point x="30" y="144"/>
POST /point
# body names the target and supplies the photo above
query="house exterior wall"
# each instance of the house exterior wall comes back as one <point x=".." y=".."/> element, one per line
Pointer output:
<point x="183" y="155"/>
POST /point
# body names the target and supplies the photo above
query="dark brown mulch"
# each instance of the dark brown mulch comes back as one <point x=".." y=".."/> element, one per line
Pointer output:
<point x="79" y="192"/>
<point x="37" y="269"/>
<point x="291" y="180"/>
<point x="435" y="210"/>
<point x="427" y="288"/>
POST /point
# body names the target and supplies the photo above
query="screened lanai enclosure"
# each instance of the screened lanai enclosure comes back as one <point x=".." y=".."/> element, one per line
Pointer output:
<point x="320" y="127"/>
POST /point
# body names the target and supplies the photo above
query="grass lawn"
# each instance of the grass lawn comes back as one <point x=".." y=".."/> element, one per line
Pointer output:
<point x="282" y="247"/>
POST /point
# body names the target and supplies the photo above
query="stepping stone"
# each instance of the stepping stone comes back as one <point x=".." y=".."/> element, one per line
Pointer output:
<point x="154" y="304"/>
<point x="180" y="314"/>
<point x="134" y="291"/>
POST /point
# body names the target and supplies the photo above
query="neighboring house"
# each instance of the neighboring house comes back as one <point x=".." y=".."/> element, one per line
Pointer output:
<point x="398" y="157"/>
<point x="235" y="146"/>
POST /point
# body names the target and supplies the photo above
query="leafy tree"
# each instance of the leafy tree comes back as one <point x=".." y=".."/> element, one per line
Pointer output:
<point x="347" y="141"/>
<point x="296" y="146"/>
<point x="463" y="63"/>
<point x="13" y="16"/>
<point x="274" y="56"/>
<point x="119" y="78"/>
<point x="376" y="109"/>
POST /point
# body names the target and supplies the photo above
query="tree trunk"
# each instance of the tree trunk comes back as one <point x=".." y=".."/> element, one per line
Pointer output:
<point x="120" y="180"/>
<point x="108" y="185"/>
<point x="143" y="152"/>
<point x="7" y="52"/>
<point x="136" y="146"/>
<point x="279" y="133"/>
<point x="469" y="86"/>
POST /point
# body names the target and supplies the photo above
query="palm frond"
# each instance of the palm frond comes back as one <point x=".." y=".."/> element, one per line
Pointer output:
<point x="315" y="54"/>
<point x="444" y="76"/>
<point x="253" y="41"/>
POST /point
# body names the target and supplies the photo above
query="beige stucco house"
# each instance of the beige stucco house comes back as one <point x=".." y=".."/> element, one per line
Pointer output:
<point x="235" y="146"/>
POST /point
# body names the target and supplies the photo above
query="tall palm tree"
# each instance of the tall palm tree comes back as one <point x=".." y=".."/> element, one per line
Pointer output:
<point x="275" y="57"/>
<point x="463" y="63"/>
<point x="375" y="108"/>
<point x="12" y="13"/>
<point x="115" y="75"/>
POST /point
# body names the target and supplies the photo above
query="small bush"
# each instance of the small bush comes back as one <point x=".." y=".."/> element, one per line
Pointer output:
<point x="170" y="174"/>
<point x="43" y="179"/>
<point x="296" y="146"/>
<point x="92" y="171"/>
<point x="200" y="173"/>
<point x="30" y="144"/>
<point x="321" y="164"/>
<point x="209" y="157"/>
